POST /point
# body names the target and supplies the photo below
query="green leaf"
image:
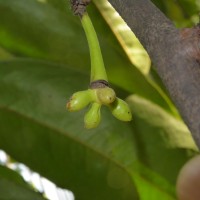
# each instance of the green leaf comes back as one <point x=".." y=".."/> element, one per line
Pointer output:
<point x="43" y="31"/>
<point x="183" y="12"/>
<point x="158" y="135"/>
<point x="33" y="98"/>
<point x="115" y="161"/>
<point x="4" y="55"/>
<point x="129" y="42"/>
<point x="12" y="186"/>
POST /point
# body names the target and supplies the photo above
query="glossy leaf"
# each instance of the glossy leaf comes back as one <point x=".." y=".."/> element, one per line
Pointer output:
<point x="115" y="161"/>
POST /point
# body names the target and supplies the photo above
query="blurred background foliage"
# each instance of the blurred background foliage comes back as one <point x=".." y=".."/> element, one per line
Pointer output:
<point x="44" y="58"/>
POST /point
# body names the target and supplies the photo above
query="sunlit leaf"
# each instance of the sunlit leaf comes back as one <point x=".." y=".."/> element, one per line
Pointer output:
<point x="4" y="54"/>
<point x="12" y="186"/>
<point x="131" y="45"/>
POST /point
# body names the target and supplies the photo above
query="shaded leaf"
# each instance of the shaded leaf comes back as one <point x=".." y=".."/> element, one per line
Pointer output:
<point x="4" y="54"/>
<point x="114" y="161"/>
<point x="34" y="103"/>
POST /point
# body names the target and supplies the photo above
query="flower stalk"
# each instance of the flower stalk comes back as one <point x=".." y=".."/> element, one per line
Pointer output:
<point x="98" y="71"/>
<point x="99" y="92"/>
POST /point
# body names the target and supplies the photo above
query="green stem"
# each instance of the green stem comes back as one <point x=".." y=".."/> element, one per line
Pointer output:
<point x="98" y="71"/>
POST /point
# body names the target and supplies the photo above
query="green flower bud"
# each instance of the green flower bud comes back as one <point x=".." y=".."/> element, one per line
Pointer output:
<point x="79" y="100"/>
<point x="121" y="110"/>
<point x="93" y="116"/>
<point x="105" y="95"/>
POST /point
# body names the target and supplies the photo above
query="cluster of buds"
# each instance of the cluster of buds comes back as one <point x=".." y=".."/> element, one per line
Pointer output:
<point x="99" y="92"/>
<point x="97" y="95"/>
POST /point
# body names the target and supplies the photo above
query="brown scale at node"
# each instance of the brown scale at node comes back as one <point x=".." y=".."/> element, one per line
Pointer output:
<point x="79" y="6"/>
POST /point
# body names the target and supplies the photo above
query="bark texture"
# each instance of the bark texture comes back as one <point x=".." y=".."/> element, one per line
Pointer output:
<point x="175" y="53"/>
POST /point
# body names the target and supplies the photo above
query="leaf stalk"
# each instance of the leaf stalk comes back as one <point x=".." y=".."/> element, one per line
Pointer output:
<point x="98" y="71"/>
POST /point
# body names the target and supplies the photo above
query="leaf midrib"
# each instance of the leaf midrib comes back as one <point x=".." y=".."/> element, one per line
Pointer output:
<point x="104" y="156"/>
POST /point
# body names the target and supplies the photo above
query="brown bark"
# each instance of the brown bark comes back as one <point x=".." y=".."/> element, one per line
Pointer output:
<point x="174" y="52"/>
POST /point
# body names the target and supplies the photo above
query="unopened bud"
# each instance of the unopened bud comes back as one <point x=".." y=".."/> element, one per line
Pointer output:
<point x="121" y="110"/>
<point x="79" y="100"/>
<point x="93" y="116"/>
<point x="105" y="95"/>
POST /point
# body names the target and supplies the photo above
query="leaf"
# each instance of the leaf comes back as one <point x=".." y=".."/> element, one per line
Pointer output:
<point x="159" y="134"/>
<point x="45" y="32"/>
<point x="130" y="44"/>
<point x="115" y="161"/>
<point x="171" y="127"/>
<point x="12" y="186"/>
<point x="34" y="103"/>
<point x="183" y="12"/>
<point x="4" y="54"/>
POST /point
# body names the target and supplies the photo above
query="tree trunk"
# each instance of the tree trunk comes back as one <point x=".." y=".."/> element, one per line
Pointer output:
<point x="174" y="52"/>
